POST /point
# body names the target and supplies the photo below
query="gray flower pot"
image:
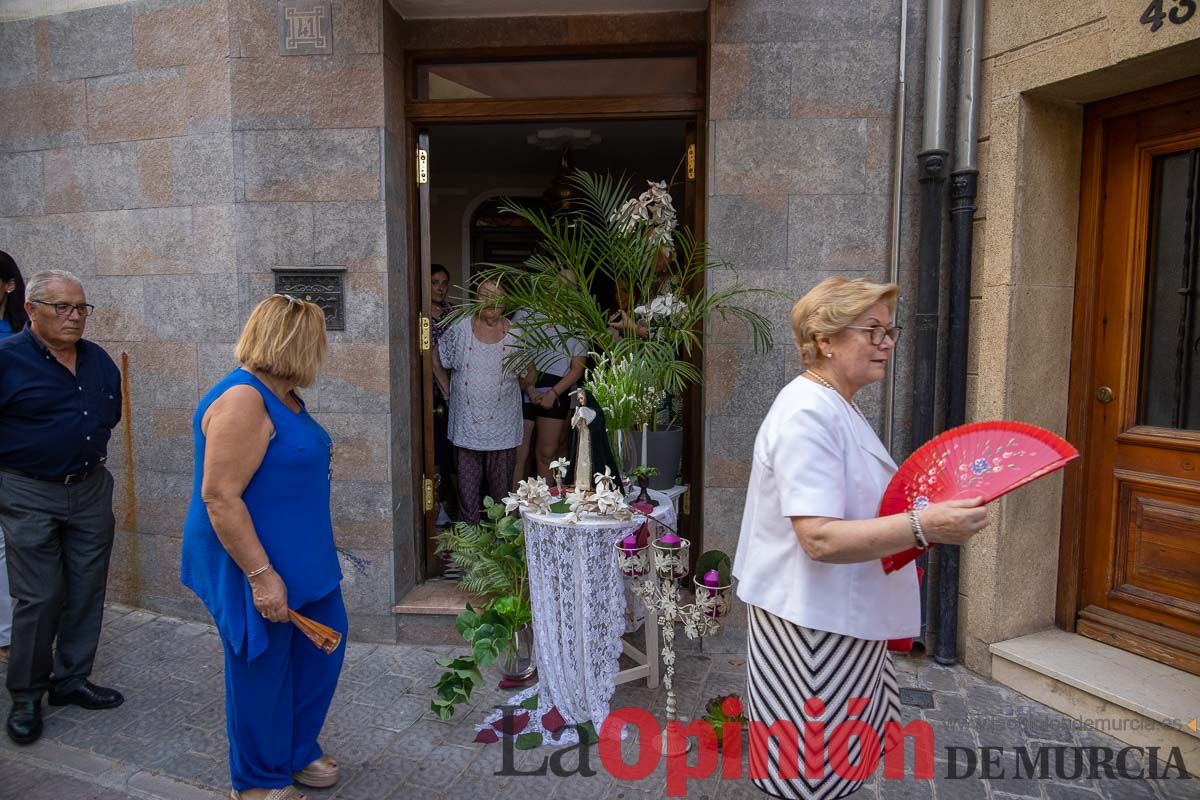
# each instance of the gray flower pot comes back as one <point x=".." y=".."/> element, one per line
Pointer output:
<point x="664" y="452"/>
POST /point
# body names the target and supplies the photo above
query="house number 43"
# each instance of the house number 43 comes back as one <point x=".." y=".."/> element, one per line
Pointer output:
<point x="1181" y="13"/>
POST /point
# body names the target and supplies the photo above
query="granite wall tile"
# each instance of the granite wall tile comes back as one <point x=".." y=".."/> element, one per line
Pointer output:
<point x="202" y="169"/>
<point x="181" y="308"/>
<point x="749" y="232"/>
<point x="838" y="232"/>
<point x="98" y="41"/>
<point x="355" y="378"/>
<point x="730" y="449"/>
<point x="97" y="177"/>
<point x="58" y="241"/>
<point x="167" y="33"/>
<point x="270" y="92"/>
<point x="163" y="440"/>
<point x="253" y="29"/>
<point x="352" y="235"/>
<point x="267" y="235"/>
<point x="843" y="78"/>
<point x="162" y="500"/>
<point x="366" y="308"/>
<point x="740" y="382"/>
<point x="787" y="21"/>
<point x="751" y="81"/>
<point x="155" y="179"/>
<point x="161" y="374"/>
<point x="311" y="165"/>
<point x="348" y="92"/>
<point x="21" y="189"/>
<point x="808" y="156"/>
<point x="367" y="579"/>
<point x="213" y="239"/>
<point x="360" y="446"/>
<point x="652" y="27"/>
<point x="362" y="513"/>
<point x="357" y="26"/>
<point x="39" y="117"/>
<point x="158" y="103"/>
<point x="214" y="362"/>
<point x="119" y="303"/>
<point x="18" y="53"/>
<point x="148" y="241"/>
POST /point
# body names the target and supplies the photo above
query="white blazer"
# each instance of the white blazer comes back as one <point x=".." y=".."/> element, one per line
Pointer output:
<point x="816" y="457"/>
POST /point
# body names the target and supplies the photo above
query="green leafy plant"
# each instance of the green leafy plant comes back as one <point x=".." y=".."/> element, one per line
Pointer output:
<point x="598" y="241"/>
<point x="643" y="471"/>
<point x="718" y="560"/>
<point x="492" y="557"/>
<point x="721" y="711"/>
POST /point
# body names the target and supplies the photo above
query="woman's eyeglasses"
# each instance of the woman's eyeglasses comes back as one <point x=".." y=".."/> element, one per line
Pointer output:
<point x="878" y="332"/>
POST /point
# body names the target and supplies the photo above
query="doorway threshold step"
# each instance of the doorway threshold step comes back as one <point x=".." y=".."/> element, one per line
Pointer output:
<point x="426" y="614"/>
<point x="1139" y="701"/>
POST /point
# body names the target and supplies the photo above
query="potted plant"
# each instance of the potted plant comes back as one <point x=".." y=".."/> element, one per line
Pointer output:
<point x="642" y="474"/>
<point x="491" y="556"/>
<point x="606" y="237"/>
<point x="722" y="711"/>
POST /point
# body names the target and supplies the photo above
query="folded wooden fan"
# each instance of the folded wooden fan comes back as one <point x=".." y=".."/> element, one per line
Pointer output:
<point x="981" y="459"/>
<point x="322" y="636"/>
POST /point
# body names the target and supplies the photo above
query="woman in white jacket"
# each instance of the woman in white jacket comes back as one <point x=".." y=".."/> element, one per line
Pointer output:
<point x="821" y="607"/>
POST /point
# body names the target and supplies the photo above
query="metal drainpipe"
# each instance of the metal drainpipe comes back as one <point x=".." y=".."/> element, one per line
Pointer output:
<point x="964" y="184"/>
<point x="932" y="170"/>
<point x="889" y="387"/>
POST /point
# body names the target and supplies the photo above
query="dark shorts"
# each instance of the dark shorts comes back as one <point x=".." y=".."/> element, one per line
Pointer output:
<point x="561" y="407"/>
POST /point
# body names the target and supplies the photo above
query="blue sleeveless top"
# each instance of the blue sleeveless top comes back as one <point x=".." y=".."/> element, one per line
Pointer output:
<point x="288" y="500"/>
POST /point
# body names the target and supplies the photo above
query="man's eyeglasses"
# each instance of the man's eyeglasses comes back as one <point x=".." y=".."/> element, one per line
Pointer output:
<point x="878" y="332"/>
<point x="65" y="309"/>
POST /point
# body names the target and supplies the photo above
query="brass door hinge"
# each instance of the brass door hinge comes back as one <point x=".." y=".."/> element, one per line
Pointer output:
<point x="691" y="162"/>
<point x="422" y="165"/>
<point x="685" y="503"/>
<point x="427" y="493"/>
<point x="425" y="334"/>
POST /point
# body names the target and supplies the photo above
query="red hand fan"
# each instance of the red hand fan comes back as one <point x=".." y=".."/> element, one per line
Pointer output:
<point x="982" y="459"/>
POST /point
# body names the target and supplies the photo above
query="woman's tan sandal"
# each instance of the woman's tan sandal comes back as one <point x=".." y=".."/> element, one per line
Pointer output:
<point x="320" y="774"/>
<point x="286" y="793"/>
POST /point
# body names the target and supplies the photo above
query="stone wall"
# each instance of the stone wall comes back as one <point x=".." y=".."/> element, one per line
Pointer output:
<point x="166" y="152"/>
<point x="802" y="104"/>
<point x="1041" y="65"/>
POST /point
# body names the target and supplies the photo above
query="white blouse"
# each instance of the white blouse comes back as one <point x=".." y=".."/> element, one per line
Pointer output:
<point x="814" y="456"/>
<point x="485" y="400"/>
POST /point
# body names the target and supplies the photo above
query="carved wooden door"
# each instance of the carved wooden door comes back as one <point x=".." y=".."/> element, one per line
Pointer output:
<point x="1140" y="582"/>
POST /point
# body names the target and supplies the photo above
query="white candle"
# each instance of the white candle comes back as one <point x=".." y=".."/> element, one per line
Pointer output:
<point x="645" y="428"/>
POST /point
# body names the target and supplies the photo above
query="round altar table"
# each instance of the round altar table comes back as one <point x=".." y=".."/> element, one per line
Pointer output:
<point x="578" y="598"/>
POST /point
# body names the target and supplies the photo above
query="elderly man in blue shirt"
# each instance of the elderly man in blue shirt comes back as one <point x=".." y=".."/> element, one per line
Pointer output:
<point x="60" y="397"/>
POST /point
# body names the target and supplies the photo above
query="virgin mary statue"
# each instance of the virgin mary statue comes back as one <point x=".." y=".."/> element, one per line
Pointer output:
<point x="590" y="446"/>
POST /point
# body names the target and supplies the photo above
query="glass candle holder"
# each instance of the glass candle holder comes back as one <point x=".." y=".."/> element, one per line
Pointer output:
<point x="714" y="600"/>
<point x="634" y="562"/>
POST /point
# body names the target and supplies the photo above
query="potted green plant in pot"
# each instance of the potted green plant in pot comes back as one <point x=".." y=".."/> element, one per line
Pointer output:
<point x="491" y="556"/>
<point x="608" y="237"/>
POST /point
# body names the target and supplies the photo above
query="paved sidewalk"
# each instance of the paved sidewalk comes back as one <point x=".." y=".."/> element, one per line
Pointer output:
<point x="168" y="740"/>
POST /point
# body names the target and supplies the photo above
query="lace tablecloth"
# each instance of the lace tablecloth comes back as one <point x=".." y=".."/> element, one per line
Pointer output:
<point x="578" y="598"/>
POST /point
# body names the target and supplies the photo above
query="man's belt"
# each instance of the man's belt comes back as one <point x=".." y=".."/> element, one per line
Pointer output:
<point x="66" y="480"/>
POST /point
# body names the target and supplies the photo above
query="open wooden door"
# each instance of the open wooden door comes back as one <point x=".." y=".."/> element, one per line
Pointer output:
<point x="1139" y="392"/>
<point x="429" y="473"/>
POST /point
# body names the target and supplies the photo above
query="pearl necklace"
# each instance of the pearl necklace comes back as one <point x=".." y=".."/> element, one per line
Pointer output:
<point x="821" y="380"/>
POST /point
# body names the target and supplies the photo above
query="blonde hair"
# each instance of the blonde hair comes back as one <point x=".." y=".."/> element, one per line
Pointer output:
<point x="831" y="306"/>
<point x="284" y="337"/>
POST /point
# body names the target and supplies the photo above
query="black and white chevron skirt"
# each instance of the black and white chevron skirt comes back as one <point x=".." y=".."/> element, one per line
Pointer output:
<point x="789" y="664"/>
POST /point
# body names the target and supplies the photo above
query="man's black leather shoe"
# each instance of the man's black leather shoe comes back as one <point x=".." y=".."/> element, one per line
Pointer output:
<point x="88" y="695"/>
<point x="25" y="720"/>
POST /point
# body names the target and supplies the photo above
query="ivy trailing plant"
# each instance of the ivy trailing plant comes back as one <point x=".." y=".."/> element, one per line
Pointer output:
<point x="492" y="558"/>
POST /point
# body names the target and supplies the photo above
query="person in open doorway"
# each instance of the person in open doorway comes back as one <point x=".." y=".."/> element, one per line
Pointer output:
<point x="60" y="398"/>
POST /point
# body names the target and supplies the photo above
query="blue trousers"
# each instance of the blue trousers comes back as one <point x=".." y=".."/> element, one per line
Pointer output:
<point x="275" y="705"/>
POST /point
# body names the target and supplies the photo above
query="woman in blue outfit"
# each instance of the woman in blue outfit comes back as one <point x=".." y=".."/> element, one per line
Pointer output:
<point x="12" y="320"/>
<point x="258" y="539"/>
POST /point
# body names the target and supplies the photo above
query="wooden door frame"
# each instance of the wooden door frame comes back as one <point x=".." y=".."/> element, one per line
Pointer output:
<point x="1088" y="295"/>
<point x="423" y="113"/>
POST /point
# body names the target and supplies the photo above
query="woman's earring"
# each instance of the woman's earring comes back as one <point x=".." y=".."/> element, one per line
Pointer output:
<point x="829" y="355"/>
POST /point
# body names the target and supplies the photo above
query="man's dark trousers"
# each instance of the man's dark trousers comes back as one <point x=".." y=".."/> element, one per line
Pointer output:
<point x="58" y="540"/>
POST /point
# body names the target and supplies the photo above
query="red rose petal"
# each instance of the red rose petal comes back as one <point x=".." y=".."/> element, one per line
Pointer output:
<point x="486" y="736"/>
<point x="552" y="720"/>
<point x="512" y="725"/>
